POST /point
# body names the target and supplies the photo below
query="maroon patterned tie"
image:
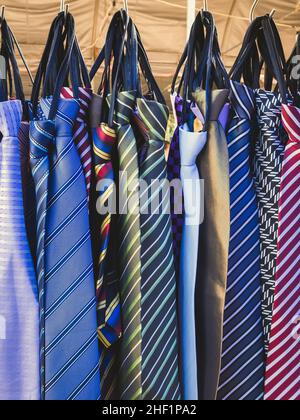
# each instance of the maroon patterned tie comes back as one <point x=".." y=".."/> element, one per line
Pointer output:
<point x="283" y="365"/>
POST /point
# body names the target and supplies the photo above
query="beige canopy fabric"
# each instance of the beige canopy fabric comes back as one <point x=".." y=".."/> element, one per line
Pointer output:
<point x="162" y="23"/>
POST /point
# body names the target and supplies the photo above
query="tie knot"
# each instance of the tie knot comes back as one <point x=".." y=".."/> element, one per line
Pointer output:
<point x="242" y="100"/>
<point x="84" y="101"/>
<point x="10" y="118"/>
<point x="291" y="122"/>
<point x="268" y="108"/>
<point x="155" y="117"/>
<point x="218" y="102"/>
<point x="125" y="105"/>
<point x="42" y="134"/>
<point x="104" y="140"/>
<point x="66" y="115"/>
<point x="191" y="145"/>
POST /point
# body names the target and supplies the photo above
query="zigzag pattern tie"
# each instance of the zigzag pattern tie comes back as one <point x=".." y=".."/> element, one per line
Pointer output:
<point x="243" y="357"/>
<point x="268" y="162"/>
<point x="173" y="171"/>
<point x="160" y="369"/>
<point x="283" y="365"/>
<point x="81" y="134"/>
<point x="108" y="298"/>
<point x="70" y="354"/>
<point x="129" y="252"/>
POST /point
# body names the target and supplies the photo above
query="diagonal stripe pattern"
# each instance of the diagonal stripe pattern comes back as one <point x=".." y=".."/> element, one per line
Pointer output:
<point x="129" y="251"/>
<point x="243" y="356"/>
<point x="70" y="353"/>
<point x="283" y="364"/>
<point x="160" y="369"/>
<point x="269" y="151"/>
<point x="81" y="134"/>
<point x="108" y="298"/>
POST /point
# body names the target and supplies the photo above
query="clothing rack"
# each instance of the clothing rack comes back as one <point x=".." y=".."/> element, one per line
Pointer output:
<point x="114" y="5"/>
<point x="178" y="6"/>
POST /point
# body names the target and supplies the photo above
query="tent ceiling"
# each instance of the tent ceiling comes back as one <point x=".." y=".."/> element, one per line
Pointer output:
<point x="162" y="24"/>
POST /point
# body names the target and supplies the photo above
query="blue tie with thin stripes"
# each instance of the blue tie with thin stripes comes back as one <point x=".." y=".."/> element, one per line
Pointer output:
<point x="242" y="372"/>
<point x="69" y="343"/>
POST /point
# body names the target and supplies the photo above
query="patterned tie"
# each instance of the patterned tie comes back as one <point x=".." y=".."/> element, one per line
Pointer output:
<point x="283" y="365"/>
<point x="108" y="298"/>
<point x="243" y="356"/>
<point x="173" y="170"/>
<point x="269" y="151"/>
<point x="129" y="253"/>
<point x="160" y="373"/>
<point x="19" y="309"/>
<point x="81" y="134"/>
<point x="191" y="145"/>
<point x="70" y="354"/>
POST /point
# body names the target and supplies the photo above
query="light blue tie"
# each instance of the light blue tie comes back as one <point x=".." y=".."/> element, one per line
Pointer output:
<point x="19" y="310"/>
<point x="70" y="354"/>
<point x="191" y="145"/>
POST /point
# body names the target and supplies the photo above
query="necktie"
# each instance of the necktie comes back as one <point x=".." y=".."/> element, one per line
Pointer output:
<point x="19" y="310"/>
<point x="108" y="299"/>
<point x="283" y="364"/>
<point x="243" y="357"/>
<point x="173" y="170"/>
<point x="191" y="145"/>
<point x="268" y="161"/>
<point x="70" y="355"/>
<point x="28" y="188"/>
<point x="214" y="246"/>
<point x="160" y="373"/>
<point x="129" y="252"/>
<point x="80" y="131"/>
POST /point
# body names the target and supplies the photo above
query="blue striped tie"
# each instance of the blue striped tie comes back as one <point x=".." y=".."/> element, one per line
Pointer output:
<point x="70" y="354"/>
<point x="242" y="372"/>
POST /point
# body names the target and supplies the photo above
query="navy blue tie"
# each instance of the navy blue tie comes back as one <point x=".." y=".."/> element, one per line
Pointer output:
<point x="242" y="372"/>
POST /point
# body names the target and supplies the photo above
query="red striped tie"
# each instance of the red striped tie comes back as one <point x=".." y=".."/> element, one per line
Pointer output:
<point x="81" y="133"/>
<point x="283" y="364"/>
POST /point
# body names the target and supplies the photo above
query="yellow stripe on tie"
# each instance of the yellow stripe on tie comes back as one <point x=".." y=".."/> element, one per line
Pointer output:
<point x="103" y="340"/>
<point x="102" y="256"/>
<point x="112" y="307"/>
<point x="101" y="154"/>
<point x="105" y="223"/>
<point x="108" y="131"/>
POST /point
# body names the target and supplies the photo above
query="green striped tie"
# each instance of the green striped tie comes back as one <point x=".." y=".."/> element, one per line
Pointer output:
<point x="160" y="370"/>
<point x="129" y="253"/>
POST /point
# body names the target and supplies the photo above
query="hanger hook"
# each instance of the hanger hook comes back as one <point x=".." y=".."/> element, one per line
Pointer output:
<point x="205" y="5"/>
<point x="126" y="5"/>
<point x="252" y="10"/>
<point x="62" y="5"/>
<point x="66" y="10"/>
<point x="2" y="15"/>
<point x="272" y="13"/>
